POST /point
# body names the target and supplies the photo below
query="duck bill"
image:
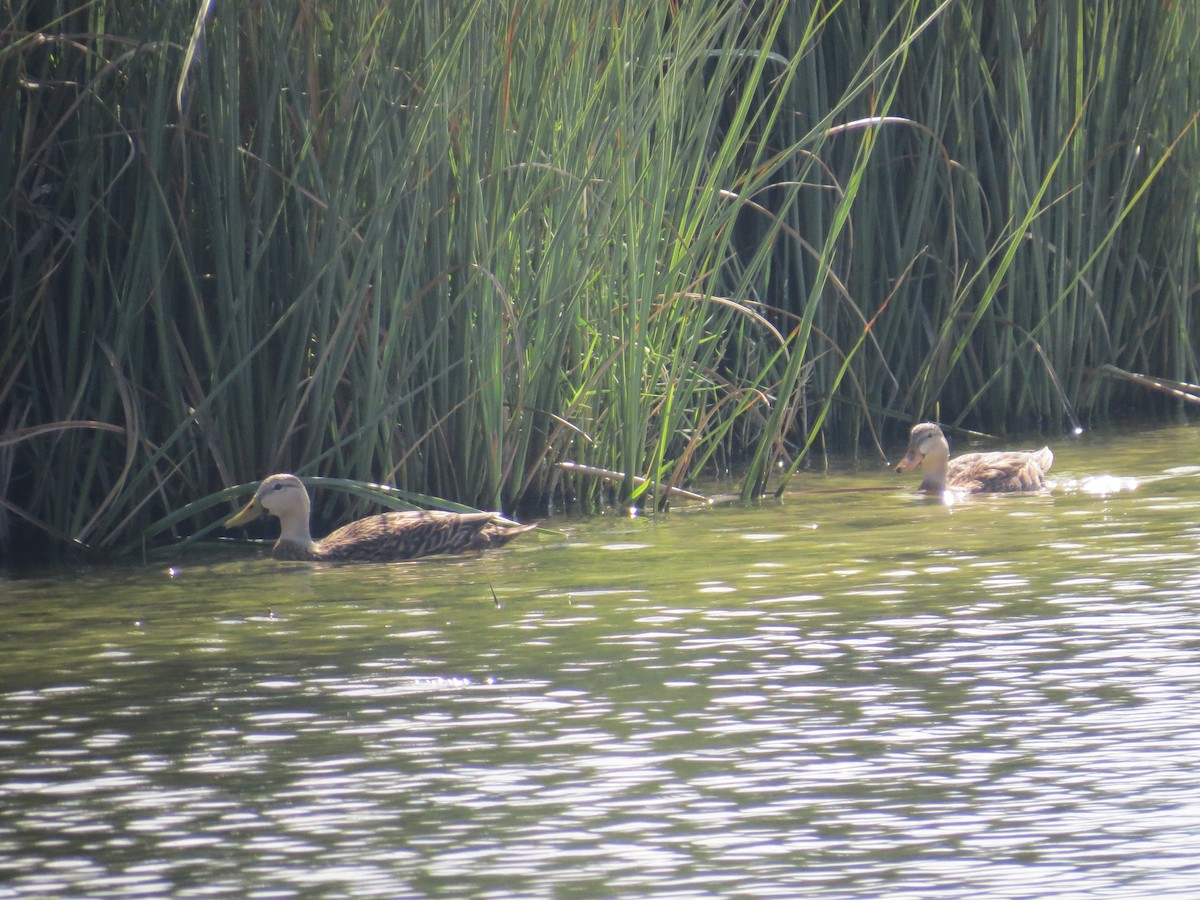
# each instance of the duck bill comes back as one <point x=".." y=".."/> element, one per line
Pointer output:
<point x="911" y="460"/>
<point x="247" y="513"/>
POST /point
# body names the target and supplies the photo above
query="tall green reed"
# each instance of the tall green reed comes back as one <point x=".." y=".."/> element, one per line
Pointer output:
<point x="447" y="249"/>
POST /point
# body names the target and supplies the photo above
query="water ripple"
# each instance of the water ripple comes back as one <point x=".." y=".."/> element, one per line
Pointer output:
<point x="997" y="698"/>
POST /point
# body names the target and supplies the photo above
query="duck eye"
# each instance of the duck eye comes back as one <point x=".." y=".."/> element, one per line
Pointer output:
<point x="277" y="487"/>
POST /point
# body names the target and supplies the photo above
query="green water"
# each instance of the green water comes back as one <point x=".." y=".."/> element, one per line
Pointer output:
<point x="848" y="695"/>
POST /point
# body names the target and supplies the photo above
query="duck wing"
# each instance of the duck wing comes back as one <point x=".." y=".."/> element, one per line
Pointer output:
<point x="1000" y="471"/>
<point x="412" y="534"/>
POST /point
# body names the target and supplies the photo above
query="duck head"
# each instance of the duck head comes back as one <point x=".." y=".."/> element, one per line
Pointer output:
<point x="925" y="441"/>
<point x="927" y="448"/>
<point x="282" y="496"/>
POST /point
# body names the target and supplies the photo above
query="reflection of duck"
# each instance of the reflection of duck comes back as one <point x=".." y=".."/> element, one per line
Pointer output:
<point x="1002" y="470"/>
<point x="385" y="537"/>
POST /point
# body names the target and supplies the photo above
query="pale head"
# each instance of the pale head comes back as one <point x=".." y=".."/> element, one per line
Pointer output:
<point x="284" y="497"/>
<point x="925" y="442"/>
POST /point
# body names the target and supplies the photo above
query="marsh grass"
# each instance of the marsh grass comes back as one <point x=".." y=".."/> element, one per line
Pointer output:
<point x="449" y="248"/>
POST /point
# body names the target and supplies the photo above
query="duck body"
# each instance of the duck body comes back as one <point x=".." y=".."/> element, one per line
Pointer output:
<point x="385" y="537"/>
<point x="999" y="471"/>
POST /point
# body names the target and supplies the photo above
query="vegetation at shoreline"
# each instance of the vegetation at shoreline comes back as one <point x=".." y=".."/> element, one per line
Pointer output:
<point x="447" y="246"/>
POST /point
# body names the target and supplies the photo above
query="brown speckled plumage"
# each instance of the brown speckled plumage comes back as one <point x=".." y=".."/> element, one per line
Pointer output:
<point x="385" y="537"/>
<point x="997" y="471"/>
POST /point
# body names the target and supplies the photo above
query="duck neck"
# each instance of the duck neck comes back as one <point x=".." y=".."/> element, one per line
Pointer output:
<point x="935" y="467"/>
<point x="294" y="529"/>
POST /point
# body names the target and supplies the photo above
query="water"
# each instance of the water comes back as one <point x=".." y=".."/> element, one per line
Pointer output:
<point x="844" y="695"/>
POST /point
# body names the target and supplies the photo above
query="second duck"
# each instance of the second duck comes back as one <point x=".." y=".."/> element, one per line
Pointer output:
<point x="971" y="473"/>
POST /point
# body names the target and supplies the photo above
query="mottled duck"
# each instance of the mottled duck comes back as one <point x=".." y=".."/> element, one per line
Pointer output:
<point x="385" y="537"/>
<point x="971" y="473"/>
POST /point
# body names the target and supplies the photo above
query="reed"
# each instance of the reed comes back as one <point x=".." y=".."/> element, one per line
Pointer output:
<point x="449" y="248"/>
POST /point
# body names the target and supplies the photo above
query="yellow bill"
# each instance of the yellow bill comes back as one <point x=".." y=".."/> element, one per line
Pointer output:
<point x="247" y="513"/>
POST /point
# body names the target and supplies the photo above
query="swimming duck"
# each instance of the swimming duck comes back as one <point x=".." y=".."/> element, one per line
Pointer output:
<point x="385" y="537"/>
<point x="1002" y="470"/>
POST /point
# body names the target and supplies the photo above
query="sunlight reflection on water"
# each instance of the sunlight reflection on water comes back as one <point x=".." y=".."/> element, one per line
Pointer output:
<point x="908" y="700"/>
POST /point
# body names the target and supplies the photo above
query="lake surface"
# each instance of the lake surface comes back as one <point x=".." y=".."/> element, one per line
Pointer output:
<point x="836" y="695"/>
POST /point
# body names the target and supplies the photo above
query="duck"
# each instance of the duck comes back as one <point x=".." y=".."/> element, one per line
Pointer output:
<point x="385" y="537"/>
<point x="972" y="473"/>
